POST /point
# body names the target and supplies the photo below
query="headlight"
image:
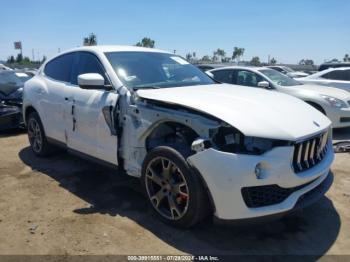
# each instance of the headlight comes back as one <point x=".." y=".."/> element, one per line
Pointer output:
<point x="334" y="102"/>
<point x="229" y="139"/>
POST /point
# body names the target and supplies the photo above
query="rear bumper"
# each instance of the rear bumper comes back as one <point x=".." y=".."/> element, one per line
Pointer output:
<point x="304" y="201"/>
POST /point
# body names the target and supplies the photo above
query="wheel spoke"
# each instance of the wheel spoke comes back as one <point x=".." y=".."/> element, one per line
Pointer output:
<point x="158" y="197"/>
<point x="154" y="176"/>
<point x="167" y="166"/>
<point x="173" y="207"/>
<point x="177" y="188"/>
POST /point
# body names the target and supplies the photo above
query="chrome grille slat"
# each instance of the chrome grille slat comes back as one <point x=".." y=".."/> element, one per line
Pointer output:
<point x="309" y="152"/>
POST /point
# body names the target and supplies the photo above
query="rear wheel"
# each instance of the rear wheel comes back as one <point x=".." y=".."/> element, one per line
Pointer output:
<point x="176" y="193"/>
<point x="37" y="137"/>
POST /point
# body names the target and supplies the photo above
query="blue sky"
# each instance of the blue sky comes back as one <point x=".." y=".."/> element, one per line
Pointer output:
<point x="287" y="30"/>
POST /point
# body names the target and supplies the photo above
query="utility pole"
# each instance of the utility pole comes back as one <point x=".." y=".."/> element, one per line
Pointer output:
<point x="33" y="58"/>
<point x="268" y="59"/>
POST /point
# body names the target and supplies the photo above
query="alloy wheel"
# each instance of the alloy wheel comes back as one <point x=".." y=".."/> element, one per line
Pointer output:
<point x="34" y="134"/>
<point x="167" y="188"/>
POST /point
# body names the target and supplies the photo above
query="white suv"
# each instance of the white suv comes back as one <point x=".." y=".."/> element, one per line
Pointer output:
<point x="199" y="147"/>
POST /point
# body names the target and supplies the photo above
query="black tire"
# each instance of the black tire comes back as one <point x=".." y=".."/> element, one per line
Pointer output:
<point x="196" y="208"/>
<point x="36" y="135"/>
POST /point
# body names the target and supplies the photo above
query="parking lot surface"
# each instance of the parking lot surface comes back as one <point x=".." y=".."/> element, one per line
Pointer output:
<point x="65" y="205"/>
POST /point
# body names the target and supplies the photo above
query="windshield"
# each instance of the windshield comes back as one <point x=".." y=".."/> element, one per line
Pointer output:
<point x="141" y="70"/>
<point x="9" y="82"/>
<point x="278" y="78"/>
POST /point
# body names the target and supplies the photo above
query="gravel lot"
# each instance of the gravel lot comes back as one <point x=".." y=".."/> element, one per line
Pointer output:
<point x="65" y="205"/>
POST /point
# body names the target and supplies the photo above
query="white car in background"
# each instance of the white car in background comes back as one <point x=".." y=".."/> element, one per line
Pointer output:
<point x="333" y="102"/>
<point x="288" y="71"/>
<point x="199" y="147"/>
<point x="335" y="77"/>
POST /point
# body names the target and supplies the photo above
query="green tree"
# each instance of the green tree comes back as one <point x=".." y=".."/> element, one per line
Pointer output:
<point x="206" y="58"/>
<point x="11" y="59"/>
<point x="19" y="58"/>
<point x="306" y="62"/>
<point x="273" y="61"/>
<point x="255" y="61"/>
<point x="146" y="42"/>
<point x="237" y="53"/>
<point x="220" y="53"/>
<point x="90" y="40"/>
<point x="346" y="58"/>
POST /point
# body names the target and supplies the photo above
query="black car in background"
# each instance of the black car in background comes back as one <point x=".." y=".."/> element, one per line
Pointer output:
<point x="11" y="90"/>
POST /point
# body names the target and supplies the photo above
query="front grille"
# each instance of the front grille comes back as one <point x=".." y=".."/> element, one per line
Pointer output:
<point x="259" y="196"/>
<point x="310" y="152"/>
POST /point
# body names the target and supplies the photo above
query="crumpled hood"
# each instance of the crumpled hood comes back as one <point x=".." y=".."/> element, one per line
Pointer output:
<point x="253" y="111"/>
<point x="322" y="90"/>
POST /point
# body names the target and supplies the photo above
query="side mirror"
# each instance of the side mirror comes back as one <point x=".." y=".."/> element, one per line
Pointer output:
<point x="91" y="81"/>
<point x="210" y="74"/>
<point x="264" y="84"/>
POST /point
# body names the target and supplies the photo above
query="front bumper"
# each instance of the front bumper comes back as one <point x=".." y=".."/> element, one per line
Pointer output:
<point x="225" y="174"/>
<point x="340" y="117"/>
<point x="10" y="117"/>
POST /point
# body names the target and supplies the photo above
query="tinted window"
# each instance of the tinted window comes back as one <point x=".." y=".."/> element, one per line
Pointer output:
<point x="247" y="78"/>
<point x="60" y="68"/>
<point x="86" y="63"/>
<point x="224" y="76"/>
<point x="342" y="75"/>
<point x="277" y="69"/>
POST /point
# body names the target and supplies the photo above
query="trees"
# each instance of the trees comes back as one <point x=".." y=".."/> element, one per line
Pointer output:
<point x="90" y="40"/>
<point x="11" y="59"/>
<point x="188" y="56"/>
<point x="19" y="58"/>
<point x="220" y="53"/>
<point x="237" y="53"/>
<point x="306" y="62"/>
<point x="346" y="58"/>
<point x="273" y="61"/>
<point x="255" y="61"/>
<point x="206" y="58"/>
<point x="146" y="42"/>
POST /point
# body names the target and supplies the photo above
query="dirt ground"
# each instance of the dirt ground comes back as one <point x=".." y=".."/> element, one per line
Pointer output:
<point x="65" y="205"/>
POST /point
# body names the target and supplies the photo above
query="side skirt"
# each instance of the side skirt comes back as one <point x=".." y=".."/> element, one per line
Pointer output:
<point x="82" y="155"/>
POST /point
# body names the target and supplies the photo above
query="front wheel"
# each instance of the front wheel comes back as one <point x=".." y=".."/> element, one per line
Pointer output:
<point x="176" y="193"/>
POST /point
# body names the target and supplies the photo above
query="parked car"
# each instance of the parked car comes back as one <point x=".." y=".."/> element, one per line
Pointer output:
<point x="199" y="147"/>
<point x="206" y="67"/>
<point x="333" y="65"/>
<point x="11" y="90"/>
<point x="288" y="71"/>
<point x="335" y="77"/>
<point x="333" y="102"/>
<point x="3" y="67"/>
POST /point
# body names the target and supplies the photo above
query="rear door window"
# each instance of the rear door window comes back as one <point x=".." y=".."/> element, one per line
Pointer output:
<point x="60" y="68"/>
